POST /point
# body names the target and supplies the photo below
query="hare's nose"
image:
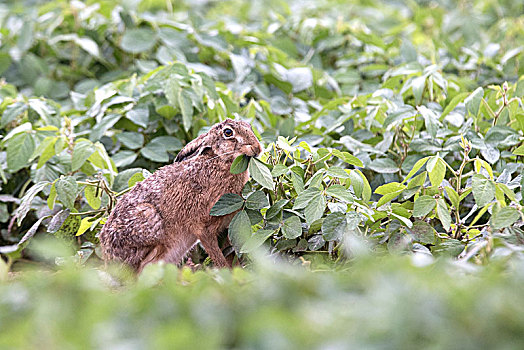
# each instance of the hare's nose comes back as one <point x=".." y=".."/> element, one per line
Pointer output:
<point x="258" y="149"/>
<point x="253" y="151"/>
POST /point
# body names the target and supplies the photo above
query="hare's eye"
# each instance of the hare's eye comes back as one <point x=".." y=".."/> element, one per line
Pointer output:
<point x="228" y="132"/>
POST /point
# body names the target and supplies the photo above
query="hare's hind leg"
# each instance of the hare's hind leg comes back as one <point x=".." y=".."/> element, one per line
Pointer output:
<point x="179" y="248"/>
<point x="154" y="255"/>
<point x="132" y="233"/>
<point x="210" y="244"/>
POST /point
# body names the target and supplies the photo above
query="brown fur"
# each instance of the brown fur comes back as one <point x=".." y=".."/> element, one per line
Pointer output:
<point x="165" y="215"/>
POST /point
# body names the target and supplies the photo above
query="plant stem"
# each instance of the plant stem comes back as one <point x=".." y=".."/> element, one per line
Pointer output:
<point x="123" y="192"/>
<point x="89" y="212"/>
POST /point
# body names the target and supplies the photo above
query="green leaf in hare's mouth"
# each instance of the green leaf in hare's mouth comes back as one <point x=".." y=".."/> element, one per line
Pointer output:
<point x="240" y="164"/>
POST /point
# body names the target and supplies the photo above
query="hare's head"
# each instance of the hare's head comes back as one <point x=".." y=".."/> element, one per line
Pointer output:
<point x="226" y="140"/>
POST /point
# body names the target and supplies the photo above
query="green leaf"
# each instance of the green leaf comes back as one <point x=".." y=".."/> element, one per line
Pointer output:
<point x="387" y="198"/>
<point x="135" y="178"/>
<point x="479" y="214"/>
<point x="453" y="196"/>
<point x="334" y="226"/>
<point x="437" y="170"/>
<point x="423" y="206"/>
<point x="340" y="192"/>
<point x="301" y="78"/>
<point x="5" y="214"/>
<point x="357" y="183"/>
<point x="11" y="112"/>
<point x="88" y="45"/>
<point x="227" y="204"/>
<point x="209" y="85"/>
<point x="400" y="114"/>
<point x="66" y="189"/>
<point x="383" y="165"/>
<point x="278" y="170"/>
<point x="408" y="193"/>
<point x="519" y="151"/>
<point x="276" y="208"/>
<point x="101" y="159"/>
<point x="473" y="101"/>
<point x="315" y="209"/>
<point x="240" y="164"/>
<point x="297" y="181"/>
<point x="100" y="128"/>
<point x="448" y="247"/>
<point x="255" y="216"/>
<point x="292" y="227"/>
<point x="453" y="103"/>
<point x="419" y="164"/>
<point x="132" y="140"/>
<point x="25" y="36"/>
<point x="430" y="120"/>
<point x="389" y="191"/>
<point x="507" y="191"/>
<point x="172" y="89"/>
<point x="19" y="150"/>
<point x="49" y="140"/>
<point x="186" y="106"/>
<point x="337" y="172"/>
<point x="69" y="228"/>
<point x="423" y="233"/>
<point x="58" y="220"/>
<point x="84" y="225"/>
<point x="31" y="232"/>
<point x="418" y="181"/>
<point x="138" y="40"/>
<point x="52" y="197"/>
<point x="487" y="167"/>
<point x="443" y="214"/>
<point x="390" y="188"/>
<point x="47" y="153"/>
<point x="27" y="200"/>
<point x="505" y="217"/>
<point x="261" y="174"/>
<point x="483" y="190"/>
<point x="239" y="230"/>
<point x="305" y="197"/>
<point x="139" y="116"/>
<point x="93" y="200"/>
<point x="366" y="190"/>
<point x="5" y="63"/>
<point x="170" y="143"/>
<point x="155" y="151"/>
<point x="403" y="219"/>
<point x="418" y="84"/>
<point x="82" y="151"/>
<point x="347" y="157"/>
<point x="256" y="240"/>
<point x="257" y="200"/>
<point x="464" y="194"/>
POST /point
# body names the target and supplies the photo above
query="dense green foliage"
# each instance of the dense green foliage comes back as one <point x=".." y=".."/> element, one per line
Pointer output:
<point x="389" y="128"/>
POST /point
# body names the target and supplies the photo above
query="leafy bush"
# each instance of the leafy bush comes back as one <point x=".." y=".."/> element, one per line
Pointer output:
<point x="368" y="133"/>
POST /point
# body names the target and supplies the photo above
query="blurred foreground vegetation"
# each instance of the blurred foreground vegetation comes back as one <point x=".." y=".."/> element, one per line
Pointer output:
<point x="374" y="303"/>
<point x="385" y="212"/>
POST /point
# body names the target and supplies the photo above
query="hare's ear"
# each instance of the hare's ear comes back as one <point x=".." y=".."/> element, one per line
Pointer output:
<point x="193" y="148"/>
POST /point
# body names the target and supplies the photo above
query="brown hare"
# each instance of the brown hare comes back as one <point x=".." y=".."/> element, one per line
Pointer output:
<point x="165" y="215"/>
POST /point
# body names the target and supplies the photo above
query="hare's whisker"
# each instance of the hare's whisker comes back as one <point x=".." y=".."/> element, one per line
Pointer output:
<point x="220" y="155"/>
